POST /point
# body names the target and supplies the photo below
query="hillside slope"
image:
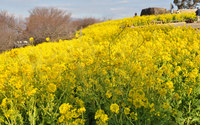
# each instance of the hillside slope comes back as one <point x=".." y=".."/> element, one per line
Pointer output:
<point x="110" y="74"/>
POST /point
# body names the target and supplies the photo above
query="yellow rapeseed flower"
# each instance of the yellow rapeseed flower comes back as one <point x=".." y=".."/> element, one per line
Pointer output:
<point x="169" y="84"/>
<point x="64" y="108"/>
<point x="126" y="111"/>
<point x="101" y="116"/>
<point x="114" y="108"/>
<point x="4" y="102"/>
<point x="31" y="39"/>
<point x="61" y="118"/>
<point x="32" y="92"/>
<point x="166" y="105"/>
<point x="108" y="94"/>
<point x="189" y="91"/>
<point x="81" y="110"/>
<point x="51" y="87"/>
<point x="47" y="39"/>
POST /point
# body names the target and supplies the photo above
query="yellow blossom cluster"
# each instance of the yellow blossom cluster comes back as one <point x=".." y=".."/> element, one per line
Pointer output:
<point x="70" y="115"/>
<point x="101" y="117"/>
<point x="114" y="108"/>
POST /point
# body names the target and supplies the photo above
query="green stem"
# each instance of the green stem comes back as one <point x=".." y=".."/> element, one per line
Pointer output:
<point x="188" y="120"/>
<point x="121" y="122"/>
<point x="129" y="120"/>
<point x="34" y="115"/>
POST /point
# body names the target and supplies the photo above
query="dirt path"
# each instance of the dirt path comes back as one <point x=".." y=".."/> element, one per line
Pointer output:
<point x="193" y="25"/>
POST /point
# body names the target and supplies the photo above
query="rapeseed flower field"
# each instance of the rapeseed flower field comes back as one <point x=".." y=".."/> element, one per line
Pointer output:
<point x="111" y="73"/>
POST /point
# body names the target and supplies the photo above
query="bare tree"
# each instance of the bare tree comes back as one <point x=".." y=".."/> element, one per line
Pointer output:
<point x="82" y="23"/>
<point x="9" y="29"/>
<point x="186" y="4"/>
<point x="48" y="22"/>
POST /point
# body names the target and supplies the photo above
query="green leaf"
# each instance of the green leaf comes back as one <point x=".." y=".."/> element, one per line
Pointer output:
<point x="195" y="120"/>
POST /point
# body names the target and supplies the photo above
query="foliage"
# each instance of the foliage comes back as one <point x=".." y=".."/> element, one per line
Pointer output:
<point x="111" y="74"/>
<point x="186" y="4"/>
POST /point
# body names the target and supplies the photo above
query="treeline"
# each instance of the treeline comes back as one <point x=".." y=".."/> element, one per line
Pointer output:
<point x="41" y="23"/>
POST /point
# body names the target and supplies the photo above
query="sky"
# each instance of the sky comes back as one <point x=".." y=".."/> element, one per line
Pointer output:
<point x="108" y="9"/>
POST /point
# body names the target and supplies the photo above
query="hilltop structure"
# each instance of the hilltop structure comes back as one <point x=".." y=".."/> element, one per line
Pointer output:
<point x="153" y="11"/>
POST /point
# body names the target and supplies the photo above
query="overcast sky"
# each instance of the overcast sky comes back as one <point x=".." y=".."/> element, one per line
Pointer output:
<point x="114" y="9"/>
